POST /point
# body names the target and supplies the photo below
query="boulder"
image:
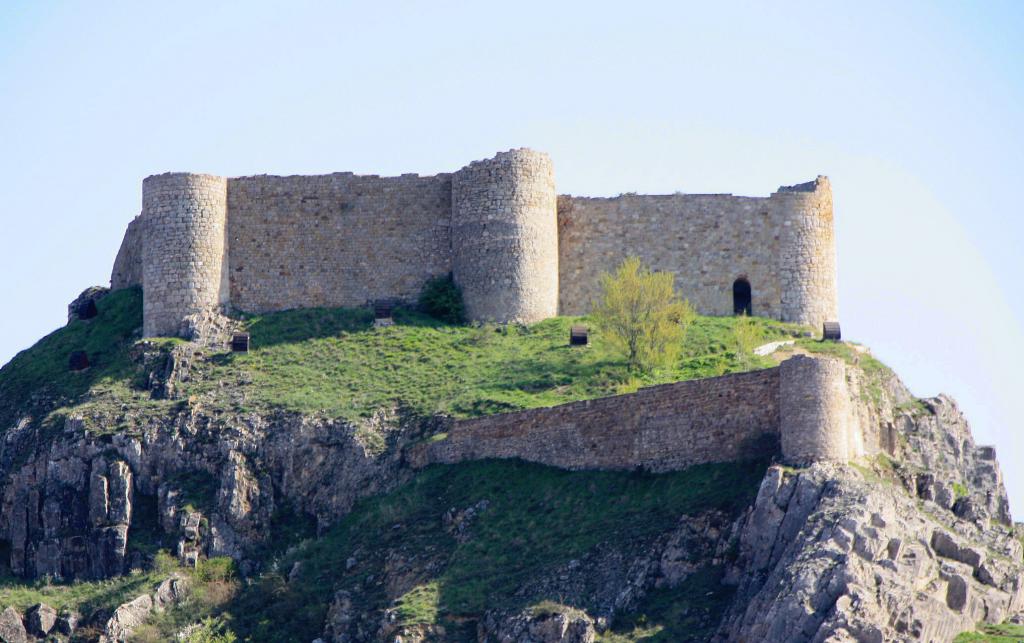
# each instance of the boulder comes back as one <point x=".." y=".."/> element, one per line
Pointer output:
<point x="12" y="630"/>
<point x="41" y="619"/>
<point x="126" y="618"/>
<point x="66" y="623"/>
<point x="170" y="592"/>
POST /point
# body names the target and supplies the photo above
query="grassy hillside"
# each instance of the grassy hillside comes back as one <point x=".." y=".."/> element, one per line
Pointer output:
<point x="532" y="520"/>
<point x="1004" y="633"/>
<point x="333" y="362"/>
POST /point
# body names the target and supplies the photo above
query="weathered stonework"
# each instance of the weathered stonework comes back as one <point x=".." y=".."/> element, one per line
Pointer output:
<point x="335" y="240"/>
<point x="816" y="411"/>
<point x="660" y="428"/>
<point x="802" y="410"/>
<point x="184" y="249"/>
<point x="505" y="237"/>
<point x="518" y="251"/>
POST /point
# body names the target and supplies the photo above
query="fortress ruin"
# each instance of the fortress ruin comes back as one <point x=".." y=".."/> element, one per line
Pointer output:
<point x="518" y="250"/>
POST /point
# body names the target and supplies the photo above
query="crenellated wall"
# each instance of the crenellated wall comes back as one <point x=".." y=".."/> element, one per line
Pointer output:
<point x="505" y="237"/>
<point x="184" y="249"/>
<point x="518" y="251"/>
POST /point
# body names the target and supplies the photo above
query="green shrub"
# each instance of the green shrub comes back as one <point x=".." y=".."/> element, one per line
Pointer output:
<point x="219" y="569"/>
<point x="442" y="299"/>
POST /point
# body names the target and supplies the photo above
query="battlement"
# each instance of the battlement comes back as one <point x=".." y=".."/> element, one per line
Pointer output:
<point x="518" y="250"/>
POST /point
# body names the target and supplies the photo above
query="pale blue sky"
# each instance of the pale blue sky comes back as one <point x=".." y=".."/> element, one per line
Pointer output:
<point x="914" y="111"/>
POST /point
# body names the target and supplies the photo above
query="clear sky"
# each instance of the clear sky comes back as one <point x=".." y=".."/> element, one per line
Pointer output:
<point x="914" y="109"/>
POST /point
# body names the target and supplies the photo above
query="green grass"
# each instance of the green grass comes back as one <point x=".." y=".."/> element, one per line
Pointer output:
<point x="84" y="597"/>
<point x="1002" y="633"/>
<point x="418" y="605"/>
<point x="38" y="378"/>
<point x="538" y="519"/>
<point x="332" y="361"/>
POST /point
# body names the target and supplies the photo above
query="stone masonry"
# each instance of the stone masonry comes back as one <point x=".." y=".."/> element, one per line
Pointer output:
<point x="800" y="409"/>
<point x="517" y="250"/>
<point x="184" y="248"/>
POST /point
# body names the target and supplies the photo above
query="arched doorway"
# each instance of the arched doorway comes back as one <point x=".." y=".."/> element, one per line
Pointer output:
<point x="741" y="297"/>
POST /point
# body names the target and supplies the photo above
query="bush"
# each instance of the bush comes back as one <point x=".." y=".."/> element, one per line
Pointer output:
<point x="442" y="299"/>
<point x="640" y="312"/>
<point x="221" y="568"/>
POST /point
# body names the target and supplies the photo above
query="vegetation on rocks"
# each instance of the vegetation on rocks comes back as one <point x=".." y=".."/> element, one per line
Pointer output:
<point x="530" y="521"/>
<point x="1002" y="633"/>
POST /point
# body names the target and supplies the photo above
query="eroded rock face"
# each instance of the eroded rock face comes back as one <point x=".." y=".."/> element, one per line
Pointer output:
<point x="825" y="555"/>
<point x="12" y="630"/>
<point x="67" y="508"/>
<point x="560" y="626"/>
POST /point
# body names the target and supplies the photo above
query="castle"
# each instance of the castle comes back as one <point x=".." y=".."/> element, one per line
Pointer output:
<point x="518" y="250"/>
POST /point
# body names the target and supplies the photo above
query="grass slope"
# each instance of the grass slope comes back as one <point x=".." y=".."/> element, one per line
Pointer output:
<point x="333" y="362"/>
<point x="536" y="520"/>
<point x="1003" y="633"/>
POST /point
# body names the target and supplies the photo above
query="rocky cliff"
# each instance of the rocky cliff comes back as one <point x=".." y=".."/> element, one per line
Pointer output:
<point x="336" y="536"/>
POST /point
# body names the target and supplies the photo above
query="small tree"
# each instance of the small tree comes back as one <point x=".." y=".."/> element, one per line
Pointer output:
<point x="747" y="335"/>
<point x="640" y="311"/>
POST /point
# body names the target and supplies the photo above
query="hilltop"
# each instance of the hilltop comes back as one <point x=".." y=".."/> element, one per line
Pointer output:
<point x="273" y="495"/>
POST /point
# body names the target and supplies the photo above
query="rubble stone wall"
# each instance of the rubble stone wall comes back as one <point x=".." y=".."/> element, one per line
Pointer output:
<point x="661" y="428"/>
<point x="783" y="245"/>
<point x="518" y="251"/>
<point x="127" y="270"/>
<point x="184" y="248"/>
<point x="336" y="239"/>
<point x="505" y="237"/>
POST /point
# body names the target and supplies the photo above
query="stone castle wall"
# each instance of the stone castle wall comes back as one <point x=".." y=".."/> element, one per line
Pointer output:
<point x="801" y="410"/>
<point x="807" y="261"/>
<point x="817" y="410"/>
<point x="184" y="248"/>
<point x="708" y="241"/>
<point x="783" y="245"/>
<point x="127" y="270"/>
<point x="336" y="239"/>
<point x="661" y="428"/>
<point x="518" y="251"/>
<point x="505" y="237"/>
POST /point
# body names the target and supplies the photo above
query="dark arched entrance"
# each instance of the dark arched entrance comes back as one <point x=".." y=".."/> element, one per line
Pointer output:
<point x="741" y="297"/>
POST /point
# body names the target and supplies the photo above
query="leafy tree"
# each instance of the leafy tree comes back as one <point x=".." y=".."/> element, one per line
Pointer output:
<point x="640" y="312"/>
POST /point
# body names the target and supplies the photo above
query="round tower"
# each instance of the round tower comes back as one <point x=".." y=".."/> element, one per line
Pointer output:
<point x="807" y="259"/>
<point x="505" y="237"/>
<point x="184" y="267"/>
<point x="815" y="413"/>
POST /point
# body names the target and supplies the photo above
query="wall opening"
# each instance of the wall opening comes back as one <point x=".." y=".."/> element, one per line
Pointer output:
<point x="741" y="297"/>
